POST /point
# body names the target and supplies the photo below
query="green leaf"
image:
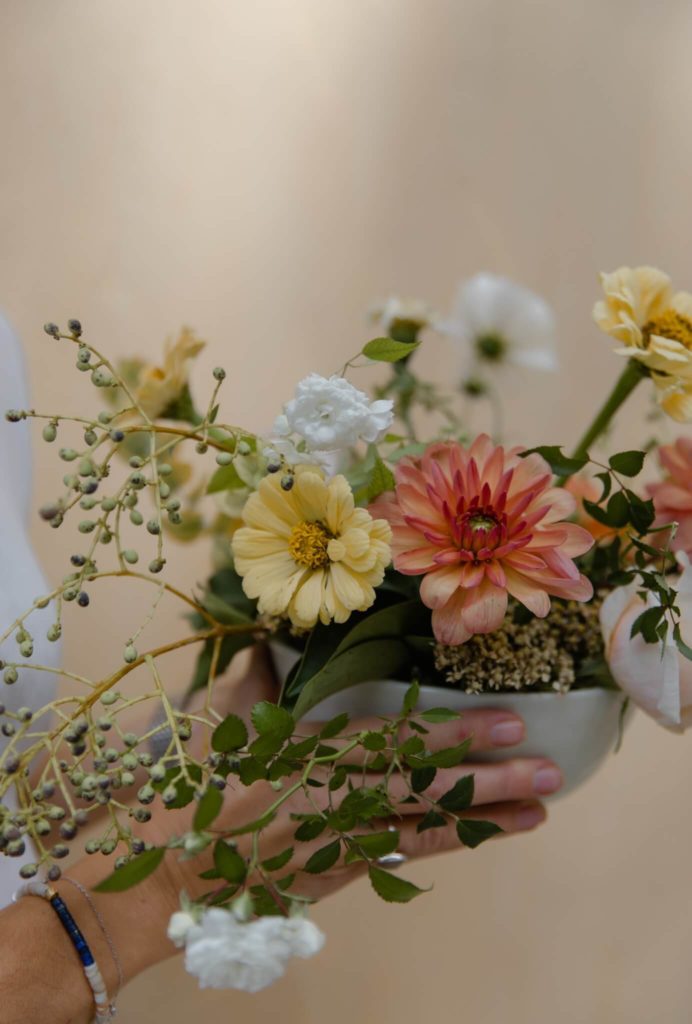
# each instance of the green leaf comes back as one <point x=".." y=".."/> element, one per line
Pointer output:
<point x="561" y="464"/>
<point x="607" y="482"/>
<point x="648" y="623"/>
<point x="627" y="463"/>
<point x="338" y="779"/>
<point x="265" y="747"/>
<point x="450" y="757"/>
<point x="207" y="809"/>
<point x="251" y="770"/>
<point x="460" y="796"/>
<point x="324" y="858"/>
<point x="439" y="715"/>
<point x="310" y="829"/>
<point x="618" y="510"/>
<point x="421" y="778"/>
<point x="386" y="350"/>
<point x="225" y="479"/>
<point x="254" y="826"/>
<point x="335" y="726"/>
<point x="271" y="720"/>
<point x="373" y="741"/>
<point x="411" y="698"/>
<point x="472" y="833"/>
<point x="642" y="512"/>
<point x="223" y="612"/>
<point x="431" y="820"/>
<point x="278" y="862"/>
<point x="229" y="863"/>
<point x="378" y="844"/>
<point x="392" y="888"/>
<point x="231" y="734"/>
<point x="134" y="872"/>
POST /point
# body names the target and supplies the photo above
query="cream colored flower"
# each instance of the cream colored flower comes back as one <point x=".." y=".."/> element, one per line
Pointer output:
<point x="309" y="553"/>
<point x="160" y="387"/>
<point x="654" y="325"/>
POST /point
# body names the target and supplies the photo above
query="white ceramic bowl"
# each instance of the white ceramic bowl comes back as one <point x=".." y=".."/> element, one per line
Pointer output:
<point x="577" y="730"/>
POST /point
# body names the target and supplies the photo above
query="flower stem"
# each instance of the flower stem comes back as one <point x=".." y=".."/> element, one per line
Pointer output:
<point x="624" y="386"/>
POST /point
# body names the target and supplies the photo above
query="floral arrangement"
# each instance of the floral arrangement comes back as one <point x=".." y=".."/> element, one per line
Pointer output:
<point x="371" y="553"/>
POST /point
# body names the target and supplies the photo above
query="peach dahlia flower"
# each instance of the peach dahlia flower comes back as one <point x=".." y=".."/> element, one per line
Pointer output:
<point x="673" y="496"/>
<point x="481" y="524"/>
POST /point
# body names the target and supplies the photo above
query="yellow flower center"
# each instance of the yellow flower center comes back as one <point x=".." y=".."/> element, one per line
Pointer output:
<point x="670" y="324"/>
<point x="308" y="545"/>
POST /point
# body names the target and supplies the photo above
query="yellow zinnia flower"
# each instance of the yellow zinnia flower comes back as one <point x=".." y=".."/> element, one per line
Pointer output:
<point x="160" y="387"/>
<point x="309" y="553"/>
<point x="654" y="324"/>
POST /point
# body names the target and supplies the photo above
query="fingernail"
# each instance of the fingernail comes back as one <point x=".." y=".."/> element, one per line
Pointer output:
<point x="529" y="816"/>
<point x="547" y="780"/>
<point x="506" y="734"/>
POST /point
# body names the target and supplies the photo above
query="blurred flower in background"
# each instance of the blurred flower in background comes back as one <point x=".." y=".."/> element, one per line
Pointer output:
<point x="496" y="322"/>
<point x="673" y="495"/>
<point x="163" y="391"/>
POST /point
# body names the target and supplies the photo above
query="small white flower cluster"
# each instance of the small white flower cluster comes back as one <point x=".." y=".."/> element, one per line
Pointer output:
<point x="224" y="951"/>
<point x="327" y="416"/>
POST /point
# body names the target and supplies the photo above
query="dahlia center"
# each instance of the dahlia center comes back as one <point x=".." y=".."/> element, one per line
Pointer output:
<point x="670" y="324"/>
<point x="482" y="522"/>
<point x="491" y="347"/>
<point x="308" y="545"/>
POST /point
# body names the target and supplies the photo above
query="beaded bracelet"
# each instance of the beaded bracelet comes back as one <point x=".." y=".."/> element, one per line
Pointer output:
<point x="105" y="1011"/>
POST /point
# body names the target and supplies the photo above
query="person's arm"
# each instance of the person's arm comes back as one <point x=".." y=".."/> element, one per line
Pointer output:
<point x="41" y="979"/>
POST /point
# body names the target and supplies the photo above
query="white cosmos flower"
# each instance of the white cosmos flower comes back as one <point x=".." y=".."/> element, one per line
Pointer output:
<point x="656" y="677"/>
<point x="388" y="311"/>
<point x="330" y="414"/>
<point x="224" y="952"/>
<point x="495" y="320"/>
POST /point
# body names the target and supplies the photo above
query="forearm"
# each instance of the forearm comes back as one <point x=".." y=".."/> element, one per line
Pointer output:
<point x="41" y="977"/>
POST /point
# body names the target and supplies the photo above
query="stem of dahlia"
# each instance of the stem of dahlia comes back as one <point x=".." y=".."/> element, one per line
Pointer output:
<point x="624" y="386"/>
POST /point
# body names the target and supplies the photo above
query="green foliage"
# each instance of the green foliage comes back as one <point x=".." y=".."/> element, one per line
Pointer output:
<point x="134" y="872"/>
<point x="208" y="809"/>
<point x="387" y="350"/>
<point x="229" y="864"/>
<point x="324" y="858"/>
<point x="472" y="832"/>
<point x="231" y="734"/>
<point x="627" y="463"/>
<point x="392" y="888"/>
<point x="561" y="464"/>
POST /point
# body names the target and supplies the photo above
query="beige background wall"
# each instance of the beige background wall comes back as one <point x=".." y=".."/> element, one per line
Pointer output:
<point x="262" y="170"/>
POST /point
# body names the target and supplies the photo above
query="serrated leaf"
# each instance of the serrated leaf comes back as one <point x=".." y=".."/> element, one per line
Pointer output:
<point x="627" y="463"/>
<point x="335" y="726"/>
<point x="421" y="778"/>
<point x="392" y="888"/>
<point x="310" y="830"/>
<point x="231" y="734"/>
<point x="251" y="770"/>
<point x="431" y="820"/>
<point x="437" y="715"/>
<point x="207" y="809"/>
<point x="324" y="858"/>
<point x="561" y="464"/>
<point x="411" y="698"/>
<point x="374" y="741"/>
<point x="648" y="624"/>
<point x="271" y="720"/>
<point x="472" y="833"/>
<point x="386" y="350"/>
<point x="229" y="863"/>
<point x="460" y="796"/>
<point x="338" y="779"/>
<point x="642" y="512"/>
<point x="278" y="862"/>
<point x="134" y="872"/>
<point x="450" y="757"/>
<point x="378" y="844"/>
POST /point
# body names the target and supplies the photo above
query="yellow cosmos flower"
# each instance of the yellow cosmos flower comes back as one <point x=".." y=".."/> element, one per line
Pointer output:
<point x="160" y="387"/>
<point x="309" y="553"/>
<point x="654" y="324"/>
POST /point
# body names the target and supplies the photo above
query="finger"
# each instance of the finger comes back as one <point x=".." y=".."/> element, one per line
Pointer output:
<point x="511" y="818"/>
<point x="486" y="728"/>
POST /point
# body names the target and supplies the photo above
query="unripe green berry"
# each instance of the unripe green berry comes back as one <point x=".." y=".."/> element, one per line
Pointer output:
<point x="67" y="454"/>
<point x="52" y="329"/>
<point x="130" y="762"/>
<point x="243" y="448"/>
<point x="93" y="846"/>
<point x="156" y="565"/>
<point x="164" y="489"/>
<point x="83" y="354"/>
<point x="88" y="503"/>
<point x="130" y="654"/>
<point x="87" y="526"/>
<point x="157" y="772"/>
<point x="136" y="518"/>
<point x="130" y="739"/>
<point x="43" y="827"/>
<point x="110" y="697"/>
<point x="169" y="795"/>
<point x="175" y="518"/>
<point x="90" y="437"/>
<point x="153" y="527"/>
<point x="26" y="648"/>
<point x="108" y="847"/>
<point x="146" y="794"/>
<point x="218" y="373"/>
<point x="127" y="779"/>
<point x="10" y="675"/>
<point x="74" y="327"/>
<point x="165" y="469"/>
<point x="224" y="459"/>
<point x="50" y="432"/>
<point x="130" y="556"/>
<point x="108" y="504"/>
<point x="201" y="447"/>
<point x="86" y="467"/>
<point x="105" y="418"/>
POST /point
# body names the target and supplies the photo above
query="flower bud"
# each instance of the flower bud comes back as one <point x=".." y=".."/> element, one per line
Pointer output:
<point x="218" y="373"/>
<point x="52" y="329"/>
<point x="74" y="327"/>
